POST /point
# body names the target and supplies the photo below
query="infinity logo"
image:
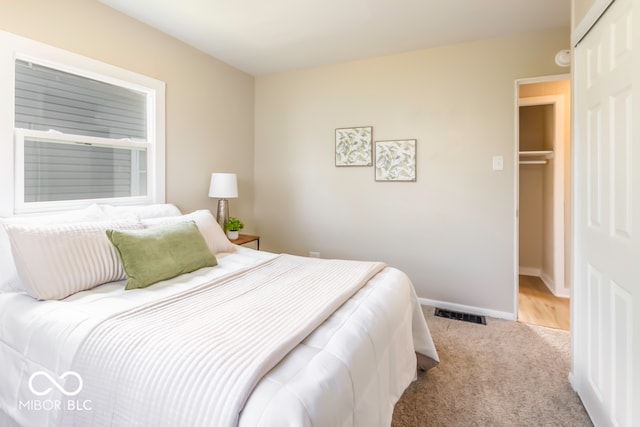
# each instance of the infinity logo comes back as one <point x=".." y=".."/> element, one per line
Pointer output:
<point x="55" y="383"/>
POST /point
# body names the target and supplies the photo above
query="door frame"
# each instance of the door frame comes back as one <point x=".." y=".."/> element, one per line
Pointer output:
<point x="559" y="225"/>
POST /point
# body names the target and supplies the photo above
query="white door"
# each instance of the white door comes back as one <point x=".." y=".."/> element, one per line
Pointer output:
<point x="606" y="290"/>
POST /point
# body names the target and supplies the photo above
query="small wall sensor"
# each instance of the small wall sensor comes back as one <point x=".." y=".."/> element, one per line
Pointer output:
<point x="563" y="58"/>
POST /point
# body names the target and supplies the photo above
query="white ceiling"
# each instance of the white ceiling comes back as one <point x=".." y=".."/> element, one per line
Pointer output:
<point x="262" y="37"/>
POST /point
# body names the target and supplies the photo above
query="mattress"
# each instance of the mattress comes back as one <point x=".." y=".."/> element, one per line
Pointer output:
<point x="350" y="370"/>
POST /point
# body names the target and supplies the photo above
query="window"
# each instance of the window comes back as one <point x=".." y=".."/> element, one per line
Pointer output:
<point x="82" y="131"/>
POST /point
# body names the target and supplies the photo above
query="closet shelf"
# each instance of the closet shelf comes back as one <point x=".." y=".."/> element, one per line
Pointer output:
<point x="545" y="154"/>
<point x="533" y="162"/>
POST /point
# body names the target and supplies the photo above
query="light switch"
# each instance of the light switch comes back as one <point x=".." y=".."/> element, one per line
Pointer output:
<point x="498" y="163"/>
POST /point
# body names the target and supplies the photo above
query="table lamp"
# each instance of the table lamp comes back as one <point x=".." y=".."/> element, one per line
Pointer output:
<point x="223" y="186"/>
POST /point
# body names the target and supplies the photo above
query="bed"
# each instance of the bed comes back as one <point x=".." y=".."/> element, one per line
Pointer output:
<point x="258" y="339"/>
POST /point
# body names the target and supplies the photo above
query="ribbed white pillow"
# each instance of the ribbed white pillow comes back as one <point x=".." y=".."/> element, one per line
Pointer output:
<point x="9" y="279"/>
<point x="57" y="260"/>
<point x="214" y="236"/>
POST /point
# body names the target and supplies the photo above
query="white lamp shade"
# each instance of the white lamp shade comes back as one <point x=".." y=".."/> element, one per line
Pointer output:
<point x="223" y="186"/>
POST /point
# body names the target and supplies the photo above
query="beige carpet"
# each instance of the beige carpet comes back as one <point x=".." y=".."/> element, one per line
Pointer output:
<point x="502" y="374"/>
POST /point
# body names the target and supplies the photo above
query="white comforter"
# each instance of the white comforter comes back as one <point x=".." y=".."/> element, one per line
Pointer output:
<point x="350" y="371"/>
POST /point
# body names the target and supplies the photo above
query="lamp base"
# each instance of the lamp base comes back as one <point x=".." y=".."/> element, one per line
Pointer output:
<point x="223" y="212"/>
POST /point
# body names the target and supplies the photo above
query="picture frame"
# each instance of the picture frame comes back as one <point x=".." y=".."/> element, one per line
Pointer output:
<point x="396" y="160"/>
<point x="354" y="146"/>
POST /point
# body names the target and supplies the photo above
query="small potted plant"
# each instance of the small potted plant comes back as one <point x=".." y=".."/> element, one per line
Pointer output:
<point x="232" y="226"/>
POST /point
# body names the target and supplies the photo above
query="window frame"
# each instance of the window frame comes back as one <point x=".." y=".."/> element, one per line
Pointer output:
<point x="14" y="48"/>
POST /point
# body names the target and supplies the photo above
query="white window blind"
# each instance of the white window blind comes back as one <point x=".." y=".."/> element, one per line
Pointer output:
<point x="80" y="138"/>
<point x="51" y="99"/>
<point x="61" y="171"/>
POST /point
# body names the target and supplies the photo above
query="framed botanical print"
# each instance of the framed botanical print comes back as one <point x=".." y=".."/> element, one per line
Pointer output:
<point x="396" y="160"/>
<point x="353" y="146"/>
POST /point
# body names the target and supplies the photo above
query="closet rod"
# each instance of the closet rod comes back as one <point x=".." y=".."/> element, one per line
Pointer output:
<point x="533" y="162"/>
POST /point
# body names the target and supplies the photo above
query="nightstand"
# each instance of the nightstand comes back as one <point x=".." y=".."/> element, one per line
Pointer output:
<point x="247" y="238"/>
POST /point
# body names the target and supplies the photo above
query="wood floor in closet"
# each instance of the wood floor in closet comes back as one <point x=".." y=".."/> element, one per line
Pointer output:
<point x="538" y="306"/>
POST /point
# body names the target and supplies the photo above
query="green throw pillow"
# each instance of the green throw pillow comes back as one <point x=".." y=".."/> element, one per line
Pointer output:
<point x="160" y="253"/>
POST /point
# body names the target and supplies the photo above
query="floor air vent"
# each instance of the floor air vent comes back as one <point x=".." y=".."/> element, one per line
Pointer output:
<point x="466" y="317"/>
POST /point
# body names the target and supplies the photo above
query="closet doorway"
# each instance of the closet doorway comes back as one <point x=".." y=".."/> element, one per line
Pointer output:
<point x="542" y="182"/>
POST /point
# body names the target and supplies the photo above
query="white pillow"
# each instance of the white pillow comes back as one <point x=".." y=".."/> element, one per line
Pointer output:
<point x="143" y="211"/>
<point x="57" y="260"/>
<point x="214" y="236"/>
<point x="9" y="279"/>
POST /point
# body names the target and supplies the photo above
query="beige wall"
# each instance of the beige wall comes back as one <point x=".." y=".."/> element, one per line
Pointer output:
<point x="209" y="105"/>
<point x="530" y="224"/>
<point x="453" y="230"/>
<point x="579" y="9"/>
<point x="534" y="132"/>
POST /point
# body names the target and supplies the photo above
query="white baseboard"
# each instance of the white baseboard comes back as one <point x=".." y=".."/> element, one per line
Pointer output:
<point x="548" y="282"/>
<point x="551" y="285"/>
<point x="572" y="381"/>
<point x="530" y="271"/>
<point x="546" y="279"/>
<point x="468" y="309"/>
